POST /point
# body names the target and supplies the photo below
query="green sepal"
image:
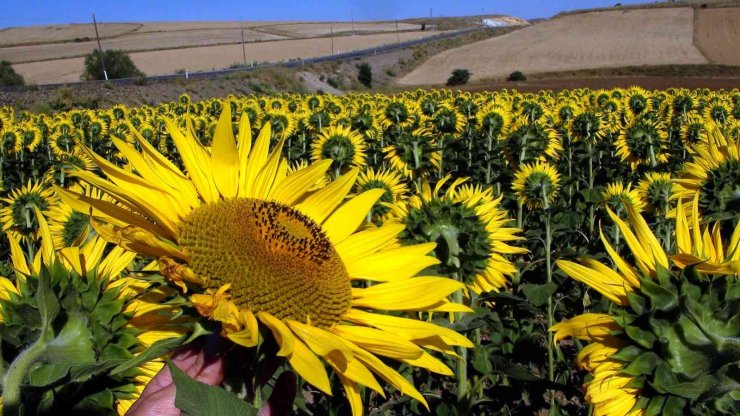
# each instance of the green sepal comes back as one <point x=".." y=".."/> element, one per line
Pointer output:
<point x="674" y="406"/>
<point x="643" y="338"/>
<point x="643" y="364"/>
<point x="627" y="354"/>
<point x="660" y="298"/>
<point x="637" y="303"/>
<point x="655" y="406"/>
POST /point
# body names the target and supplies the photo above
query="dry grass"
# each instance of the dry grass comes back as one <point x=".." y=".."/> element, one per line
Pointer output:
<point x="214" y="57"/>
<point x="135" y="41"/>
<point x="61" y="33"/>
<point x="572" y="42"/>
<point x="717" y="34"/>
<point x="306" y="30"/>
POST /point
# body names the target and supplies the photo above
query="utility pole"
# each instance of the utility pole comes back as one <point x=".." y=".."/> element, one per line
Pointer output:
<point x="100" y="49"/>
<point x="331" y="27"/>
<point x="353" y="22"/>
<point x="244" y="48"/>
<point x="398" y="37"/>
<point x="430" y="12"/>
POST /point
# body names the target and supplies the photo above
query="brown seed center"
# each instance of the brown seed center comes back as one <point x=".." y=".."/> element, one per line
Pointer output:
<point x="277" y="260"/>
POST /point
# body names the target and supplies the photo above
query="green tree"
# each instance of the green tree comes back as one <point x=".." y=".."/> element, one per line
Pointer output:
<point x="517" y="76"/>
<point x="365" y="76"/>
<point x="117" y="64"/>
<point x="459" y="77"/>
<point x="8" y="76"/>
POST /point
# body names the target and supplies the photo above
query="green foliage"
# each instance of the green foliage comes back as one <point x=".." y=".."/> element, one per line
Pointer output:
<point x="685" y="353"/>
<point x="117" y="64"/>
<point x="365" y="75"/>
<point x="63" y="335"/>
<point x="516" y="76"/>
<point x="459" y="77"/>
<point x="198" y="399"/>
<point x="8" y="76"/>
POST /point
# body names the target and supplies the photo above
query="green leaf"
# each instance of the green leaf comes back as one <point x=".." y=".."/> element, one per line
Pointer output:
<point x="655" y="406"/>
<point x="48" y="303"/>
<point x="47" y="374"/>
<point x="73" y="345"/>
<point x="674" y="406"/>
<point x="627" y="354"/>
<point x="481" y="362"/>
<point x="643" y="338"/>
<point x="538" y="294"/>
<point x="158" y="349"/>
<point x="198" y="399"/>
<point x="660" y="297"/>
<point x="644" y="364"/>
<point x="97" y="403"/>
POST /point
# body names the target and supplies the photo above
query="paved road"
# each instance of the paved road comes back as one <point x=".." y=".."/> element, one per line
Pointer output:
<point x="290" y="64"/>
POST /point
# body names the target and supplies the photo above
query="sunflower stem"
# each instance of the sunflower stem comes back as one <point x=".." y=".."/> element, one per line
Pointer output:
<point x="441" y="157"/>
<point x="591" y="213"/>
<point x="450" y="235"/>
<point x="519" y="213"/>
<point x="550" y="317"/>
<point x="16" y="374"/>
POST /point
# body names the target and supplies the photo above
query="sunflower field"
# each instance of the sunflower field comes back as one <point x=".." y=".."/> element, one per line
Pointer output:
<point x="430" y="252"/>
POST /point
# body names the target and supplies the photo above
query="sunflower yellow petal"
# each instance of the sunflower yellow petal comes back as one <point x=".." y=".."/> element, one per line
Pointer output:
<point x="295" y="185"/>
<point x="255" y="162"/>
<point x="379" y="342"/>
<point x="308" y="366"/>
<point x="418" y="293"/>
<point x="347" y="218"/>
<point x="369" y="241"/>
<point x="283" y="336"/>
<point x="319" y="340"/>
<point x="390" y="265"/>
<point x="321" y="203"/>
<point x="224" y="156"/>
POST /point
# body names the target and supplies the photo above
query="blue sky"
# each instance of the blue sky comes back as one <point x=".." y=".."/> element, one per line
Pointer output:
<point x="39" y="12"/>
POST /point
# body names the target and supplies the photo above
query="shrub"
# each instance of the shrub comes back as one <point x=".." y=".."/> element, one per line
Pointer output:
<point x="365" y="76"/>
<point x="458" y="77"/>
<point x="8" y="76"/>
<point x="117" y="63"/>
<point x="517" y="76"/>
<point x="334" y="82"/>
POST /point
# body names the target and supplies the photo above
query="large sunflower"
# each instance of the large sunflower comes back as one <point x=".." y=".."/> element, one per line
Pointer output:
<point x="470" y="228"/>
<point x="617" y="196"/>
<point x="643" y="142"/>
<point x="609" y="390"/>
<point x="259" y="249"/>
<point x="672" y="321"/>
<point x="713" y="175"/>
<point x="390" y="181"/>
<point x="343" y="146"/>
<point x="536" y="184"/>
<point x="124" y="315"/>
<point x="18" y="213"/>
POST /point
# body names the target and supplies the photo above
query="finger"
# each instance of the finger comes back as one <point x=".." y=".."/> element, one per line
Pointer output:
<point x="159" y="403"/>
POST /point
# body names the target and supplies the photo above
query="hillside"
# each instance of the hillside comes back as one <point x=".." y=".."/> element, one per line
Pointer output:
<point x="54" y="53"/>
<point x="596" y="40"/>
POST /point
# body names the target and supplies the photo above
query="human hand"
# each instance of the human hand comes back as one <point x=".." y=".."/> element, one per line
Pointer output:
<point x="201" y="361"/>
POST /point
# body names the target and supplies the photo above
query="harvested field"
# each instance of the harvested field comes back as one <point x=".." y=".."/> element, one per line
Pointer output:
<point x="61" y="33"/>
<point x="215" y="57"/>
<point x="306" y="30"/>
<point x="717" y="34"/>
<point x="135" y="41"/>
<point x="590" y="40"/>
